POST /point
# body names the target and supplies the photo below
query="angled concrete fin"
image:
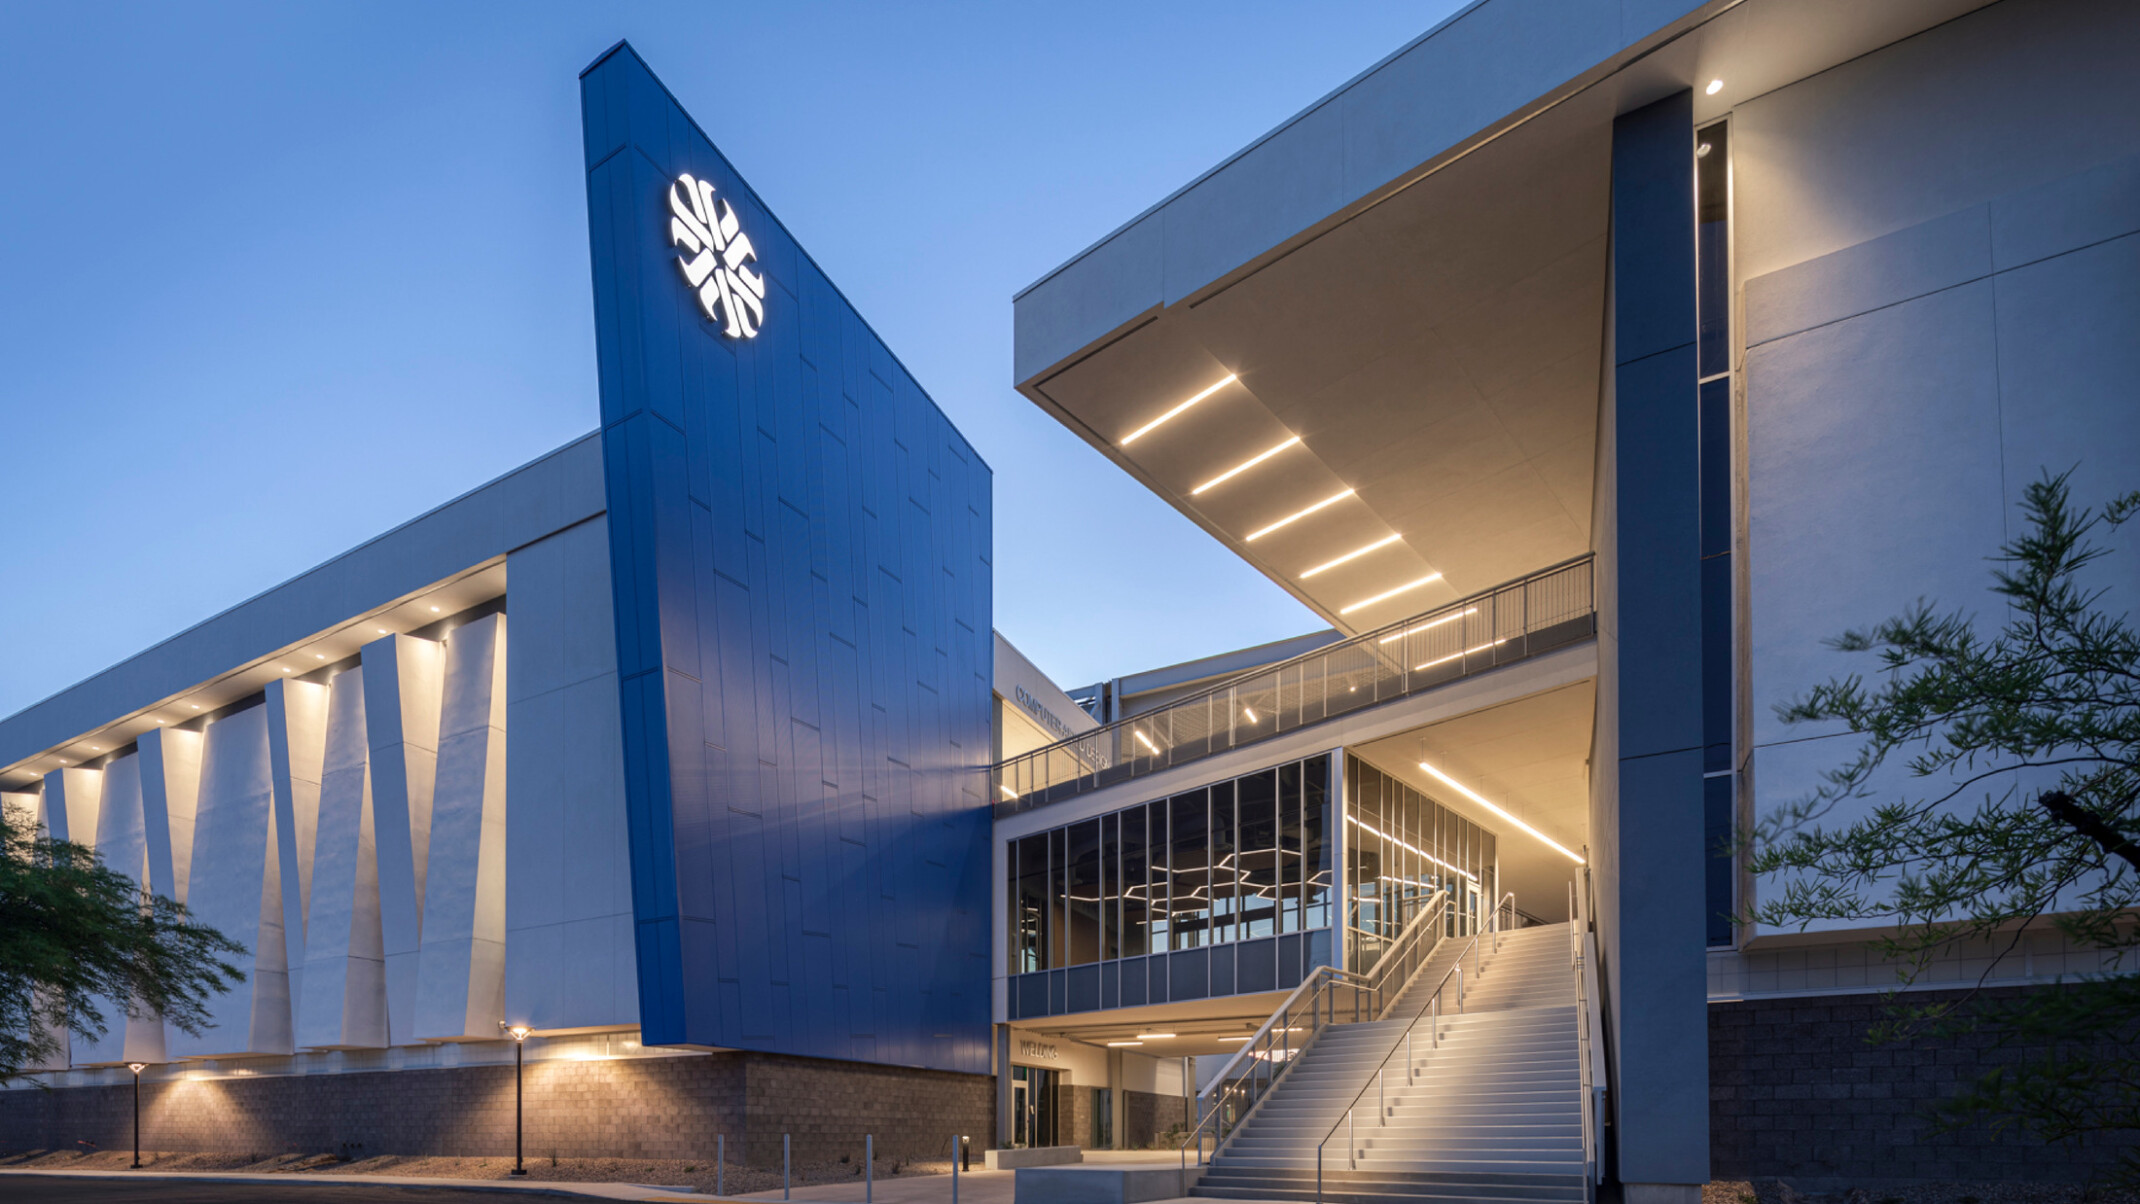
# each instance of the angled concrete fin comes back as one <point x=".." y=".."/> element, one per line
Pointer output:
<point x="297" y="735"/>
<point x="402" y="678"/>
<point x="343" y="1004"/>
<point x="461" y="973"/>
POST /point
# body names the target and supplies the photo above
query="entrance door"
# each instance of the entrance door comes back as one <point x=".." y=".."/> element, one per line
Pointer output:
<point x="1021" y="1095"/>
<point x="1032" y="1107"/>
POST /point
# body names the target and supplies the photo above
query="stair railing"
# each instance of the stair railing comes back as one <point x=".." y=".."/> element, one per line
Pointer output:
<point x="1248" y="1077"/>
<point x="1404" y="1043"/>
<point x="1582" y="953"/>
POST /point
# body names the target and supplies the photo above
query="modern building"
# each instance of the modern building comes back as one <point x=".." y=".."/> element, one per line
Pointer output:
<point x="1584" y="365"/>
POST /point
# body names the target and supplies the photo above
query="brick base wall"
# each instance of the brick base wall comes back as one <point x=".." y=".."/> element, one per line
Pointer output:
<point x="1796" y="1092"/>
<point x="647" y="1108"/>
<point x="1147" y="1115"/>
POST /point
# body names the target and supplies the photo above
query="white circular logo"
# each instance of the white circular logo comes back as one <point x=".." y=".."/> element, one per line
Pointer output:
<point x="719" y="259"/>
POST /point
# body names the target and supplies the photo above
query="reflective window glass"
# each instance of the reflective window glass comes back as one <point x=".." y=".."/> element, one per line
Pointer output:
<point x="1189" y="869"/>
<point x="1083" y="892"/>
<point x="1225" y="867"/>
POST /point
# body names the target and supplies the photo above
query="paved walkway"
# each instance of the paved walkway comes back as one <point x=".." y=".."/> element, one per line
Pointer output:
<point x="174" y="1187"/>
<point x="975" y="1187"/>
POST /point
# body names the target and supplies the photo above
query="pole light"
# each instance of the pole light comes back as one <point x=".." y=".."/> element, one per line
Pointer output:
<point x="137" y="1068"/>
<point x="519" y="1034"/>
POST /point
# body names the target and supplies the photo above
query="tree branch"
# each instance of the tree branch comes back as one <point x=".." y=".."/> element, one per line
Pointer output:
<point x="2087" y="823"/>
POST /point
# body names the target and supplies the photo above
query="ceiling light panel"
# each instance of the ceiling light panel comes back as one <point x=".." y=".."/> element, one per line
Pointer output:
<point x="1482" y="801"/>
<point x="1244" y="466"/>
<point x="1178" y="410"/>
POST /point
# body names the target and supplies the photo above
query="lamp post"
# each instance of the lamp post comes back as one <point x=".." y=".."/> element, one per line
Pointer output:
<point x="519" y="1034"/>
<point x="137" y="1068"/>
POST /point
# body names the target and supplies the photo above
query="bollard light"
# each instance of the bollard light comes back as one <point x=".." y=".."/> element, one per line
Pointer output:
<point x="519" y="1034"/>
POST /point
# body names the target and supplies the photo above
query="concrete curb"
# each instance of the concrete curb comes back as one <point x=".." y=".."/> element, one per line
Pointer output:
<point x="601" y="1191"/>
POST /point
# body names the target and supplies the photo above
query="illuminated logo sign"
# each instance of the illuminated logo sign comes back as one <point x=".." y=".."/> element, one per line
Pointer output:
<point x="1038" y="1050"/>
<point x="719" y="258"/>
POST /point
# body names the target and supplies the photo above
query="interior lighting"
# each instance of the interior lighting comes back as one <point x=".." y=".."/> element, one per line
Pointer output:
<point x="1155" y="1036"/>
<point x="1007" y="791"/>
<point x="1244" y="466"/>
<point x="1443" y="660"/>
<point x="1387" y="594"/>
<point x="1715" y="86"/>
<point x="1235" y="1038"/>
<point x="1145" y="740"/>
<point x="1355" y="554"/>
<point x="1297" y="515"/>
<point x="1122" y="1044"/>
<point x="1147" y="428"/>
<point x="434" y="610"/>
<point x="1430" y="625"/>
<point x="196" y="706"/>
<point x="286" y="668"/>
<point x="1372" y="830"/>
<point x="1480" y="799"/>
<point x="1250" y="712"/>
<point x="319" y="656"/>
<point x="380" y="630"/>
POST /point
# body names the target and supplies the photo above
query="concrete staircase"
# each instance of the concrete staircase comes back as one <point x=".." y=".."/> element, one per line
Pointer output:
<point x="1491" y="1114"/>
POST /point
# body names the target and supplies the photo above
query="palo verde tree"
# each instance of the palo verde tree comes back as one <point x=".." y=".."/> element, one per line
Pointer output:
<point x="76" y="934"/>
<point x="2020" y="807"/>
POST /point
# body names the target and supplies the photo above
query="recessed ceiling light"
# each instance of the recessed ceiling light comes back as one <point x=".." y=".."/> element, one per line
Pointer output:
<point x="1145" y="740"/>
<point x="1250" y="712"/>
<point x="1244" y="466"/>
<point x="286" y="668"/>
<point x="96" y="748"/>
<point x="434" y="610"/>
<point x="1443" y="660"/>
<point x="1715" y="86"/>
<point x="1297" y="515"/>
<point x="1430" y="624"/>
<point x="1141" y="431"/>
<point x="1387" y="594"/>
<point x="1234" y="1038"/>
<point x="1155" y="1036"/>
<point x="1480" y="799"/>
<point x="196" y="706"/>
<point x="380" y="630"/>
<point x="1355" y="554"/>
<point x="1122" y="1044"/>
<point x="319" y="656"/>
<point x="1007" y="792"/>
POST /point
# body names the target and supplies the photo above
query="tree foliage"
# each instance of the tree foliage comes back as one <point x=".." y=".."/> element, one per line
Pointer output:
<point x="2025" y="744"/>
<point x="77" y="935"/>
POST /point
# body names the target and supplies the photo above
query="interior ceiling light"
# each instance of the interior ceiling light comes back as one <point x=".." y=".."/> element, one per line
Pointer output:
<point x="1122" y="1044"/>
<point x="1443" y="660"/>
<point x="319" y="656"/>
<point x="1355" y="554"/>
<point x="1715" y="86"/>
<point x="1297" y="515"/>
<point x="1146" y="740"/>
<point x="434" y="610"/>
<point x="1007" y="792"/>
<point x="1147" y="428"/>
<point x="1250" y="712"/>
<point x="1235" y="1038"/>
<point x="1387" y="594"/>
<point x="1155" y="1036"/>
<point x="1244" y="466"/>
<point x="1430" y="624"/>
<point x="1476" y="797"/>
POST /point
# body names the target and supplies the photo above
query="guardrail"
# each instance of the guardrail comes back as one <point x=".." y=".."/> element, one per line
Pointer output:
<point x="1522" y="618"/>
<point x="1589" y="1019"/>
<point x="1247" y="1078"/>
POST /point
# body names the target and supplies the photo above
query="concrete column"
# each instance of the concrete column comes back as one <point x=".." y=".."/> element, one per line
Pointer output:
<point x="1003" y="1086"/>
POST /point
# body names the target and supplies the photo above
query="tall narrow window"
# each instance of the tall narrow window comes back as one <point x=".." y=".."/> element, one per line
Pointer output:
<point x="1137" y="911"/>
<point x="1157" y="847"/>
<point x="1084" y="892"/>
<point x="1225" y="863"/>
<point x="1032" y="903"/>
<point x="1110" y="886"/>
<point x="1712" y="185"/>
<point x="1289" y="848"/>
<point x="1315" y="848"/>
<point x="1058" y="900"/>
<point x="1257" y="798"/>
<point x="1190" y="869"/>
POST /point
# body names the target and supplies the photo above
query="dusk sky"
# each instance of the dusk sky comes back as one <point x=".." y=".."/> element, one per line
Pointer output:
<point x="280" y="277"/>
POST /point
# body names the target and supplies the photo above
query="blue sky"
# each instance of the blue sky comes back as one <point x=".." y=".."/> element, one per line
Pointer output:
<point x="279" y="277"/>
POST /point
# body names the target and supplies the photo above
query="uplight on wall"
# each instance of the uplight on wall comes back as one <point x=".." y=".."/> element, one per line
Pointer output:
<point x="1155" y="423"/>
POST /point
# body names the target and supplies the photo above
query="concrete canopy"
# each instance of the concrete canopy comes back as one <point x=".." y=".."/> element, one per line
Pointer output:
<point x="1409" y="278"/>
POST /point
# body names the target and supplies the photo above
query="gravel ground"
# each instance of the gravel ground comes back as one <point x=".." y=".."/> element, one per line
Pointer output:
<point x="1775" y="1191"/>
<point x="666" y="1172"/>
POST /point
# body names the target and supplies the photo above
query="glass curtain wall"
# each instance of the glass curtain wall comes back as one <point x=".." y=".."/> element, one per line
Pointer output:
<point x="1400" y="848"/>
<point x="1236" y="861"/>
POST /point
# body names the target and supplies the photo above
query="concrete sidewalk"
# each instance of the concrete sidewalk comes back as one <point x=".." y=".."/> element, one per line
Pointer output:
<point x="975" y="1187"/>
<point x="600" y="1191"/>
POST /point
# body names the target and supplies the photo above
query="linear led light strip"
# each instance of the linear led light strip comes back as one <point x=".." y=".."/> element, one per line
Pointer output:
<point x="1430" y="625"/>
<point x="1443" y="660"/>
<point x="1141" y="431"/>
<point x="1244" y="466"/>
<point x="1355" y="554"/>
<point x="1370" y="828"/>
<point x="1297" y="515"/>
<point x="1387" y="594"/>
<point x="1480" y="799"/>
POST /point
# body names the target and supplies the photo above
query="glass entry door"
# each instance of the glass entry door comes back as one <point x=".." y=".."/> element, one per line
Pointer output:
<point x="1032" y="1107"/>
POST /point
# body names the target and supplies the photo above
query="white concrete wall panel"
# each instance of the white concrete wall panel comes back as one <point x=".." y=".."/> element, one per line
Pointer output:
<point x="236" y="887"/>
<point x="344" y="981"/>
<point x="401" y="701"/>
<point x="297" y="747"/>
<point x="122" y="845"/>
<point x="1932" y="321"/>
<point x="170" y="798"/>
<point x="460" y="978"/>
<point x="569" y="950"/>
<point x="71" y="798"/>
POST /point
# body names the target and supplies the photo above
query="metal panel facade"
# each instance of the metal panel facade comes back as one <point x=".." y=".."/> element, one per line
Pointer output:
<point x="799" y="554"/>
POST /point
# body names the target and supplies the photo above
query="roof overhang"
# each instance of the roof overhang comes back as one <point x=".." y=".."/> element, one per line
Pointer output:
<point x="1409" y="278"/>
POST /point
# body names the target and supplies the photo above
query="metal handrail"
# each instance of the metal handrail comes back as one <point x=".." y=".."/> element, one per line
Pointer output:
<point x="1319" y="989"/>
<point x="1488" y="628"/>
<point x="1583" y="956"/>
<point x="1404" y="1041"/>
